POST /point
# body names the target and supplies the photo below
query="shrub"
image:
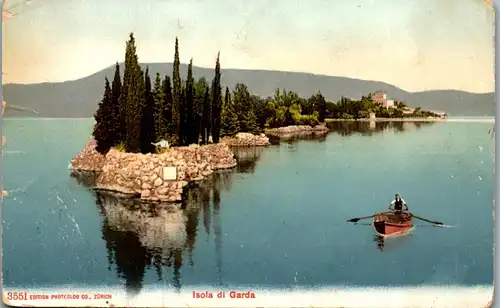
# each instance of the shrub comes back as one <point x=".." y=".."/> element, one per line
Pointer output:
<point x="120" y="147"/>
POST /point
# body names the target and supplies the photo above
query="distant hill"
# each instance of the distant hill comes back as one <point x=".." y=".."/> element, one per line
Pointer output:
<point x="79" y="98"/>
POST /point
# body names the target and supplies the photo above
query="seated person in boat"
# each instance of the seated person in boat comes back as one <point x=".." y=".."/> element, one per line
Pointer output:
<point x="397" y="204"/>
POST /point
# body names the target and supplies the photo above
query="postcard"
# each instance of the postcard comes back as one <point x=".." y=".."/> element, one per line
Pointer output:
<point x="248" y="153"/>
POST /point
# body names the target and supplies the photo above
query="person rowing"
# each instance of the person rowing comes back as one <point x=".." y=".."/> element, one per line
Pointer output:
<point x="397" y="204"/>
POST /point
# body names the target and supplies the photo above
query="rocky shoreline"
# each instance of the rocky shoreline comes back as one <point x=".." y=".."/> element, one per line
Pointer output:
<point x="162" y="177"/>
<point x="288" y="132"/>
<point x="142" y="175"/>
<point x="296" y="129"/>
<point x="246" y="140"/>
<point x="428" y="119"/>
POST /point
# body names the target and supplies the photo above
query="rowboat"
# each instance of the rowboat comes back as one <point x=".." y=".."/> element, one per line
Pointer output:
<point x="392" y="224"/>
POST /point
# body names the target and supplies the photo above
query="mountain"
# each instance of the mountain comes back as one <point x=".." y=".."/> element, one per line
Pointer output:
<point x="79" y="98"/>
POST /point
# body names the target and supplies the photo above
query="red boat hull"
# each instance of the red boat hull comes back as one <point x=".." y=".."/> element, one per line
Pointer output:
<point x="391" y="224"/>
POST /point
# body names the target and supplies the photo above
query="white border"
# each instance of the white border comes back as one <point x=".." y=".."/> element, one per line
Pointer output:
<point x="356" y="297"/>
<point x="328" y="297"/>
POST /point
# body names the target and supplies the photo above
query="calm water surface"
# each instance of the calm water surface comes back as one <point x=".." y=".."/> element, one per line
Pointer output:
<point x="277" y="221"/>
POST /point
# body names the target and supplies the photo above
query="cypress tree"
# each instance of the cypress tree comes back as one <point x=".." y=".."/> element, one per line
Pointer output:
<point x="241" y="100"/>
<point x="191" y="131"/>
<point x="229" y="121"/>
<point x="199" y="93"/>
<point x="147" y="120"/>
<point x="127" y="75"/>
<point x="243" y="104"/>
<point x="318" y="103"/>
<point x="160" y="123"/>
<point x="135" y="100"/>
<point x="216" y="102"/>
<point x="182" y="115"/>
<point x="117" y="123"/>
<point x="176" y="91"/>
<point x="322" y="111"/>
<point x="250" y="122"/>
<point x="102" y="116"/>
<point x="206" y="118"/>
<point x="167" y="106"/>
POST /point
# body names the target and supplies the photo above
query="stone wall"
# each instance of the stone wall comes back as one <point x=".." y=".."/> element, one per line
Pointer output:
<point x="246" y="140"/>
<point x="88" y="159"/>
<point x="142" y="174"/>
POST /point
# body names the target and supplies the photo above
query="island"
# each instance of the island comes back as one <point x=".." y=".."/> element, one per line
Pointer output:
<point x="377" y="106"/>
<point x="152" y="139"/>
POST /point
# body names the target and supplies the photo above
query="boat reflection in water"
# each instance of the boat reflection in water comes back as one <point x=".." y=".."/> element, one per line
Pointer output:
<point x="386" y="243"/>
<point x="142" y="236"/>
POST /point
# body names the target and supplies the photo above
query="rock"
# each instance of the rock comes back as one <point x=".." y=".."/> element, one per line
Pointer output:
<point x="157" y="171"/>
<point x="151" y="165"/>
<point x="152" y="177"/>
<point x="157" y="182"/>
<point x="146" y="186"/>
<point x="320" y="128"/>
<point x="88" y="159"/>
<point x="244" y="136"/>
<point x="145" y="193"/>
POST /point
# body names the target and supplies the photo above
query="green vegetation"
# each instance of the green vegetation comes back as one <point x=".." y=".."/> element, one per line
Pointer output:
<point x="134" y="113"/>
<point x="103" y="117"/>
<point x="359" y="109"/>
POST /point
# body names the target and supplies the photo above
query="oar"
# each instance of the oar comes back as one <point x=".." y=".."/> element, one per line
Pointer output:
<point x="427" y="220"/>
<point x="359" y="218"/>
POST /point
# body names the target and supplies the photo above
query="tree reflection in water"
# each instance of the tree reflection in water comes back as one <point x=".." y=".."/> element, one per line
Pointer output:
<point x="292" y="138"/>
<point x="247" y="158"/>
<point x="142" y="235"/>
<point x="139" y="235"/>
<point x="369" y="128"/>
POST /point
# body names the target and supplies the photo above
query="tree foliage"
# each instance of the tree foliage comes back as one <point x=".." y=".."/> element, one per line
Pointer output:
<point x="160" y="120"/>
<point x="103" y="130"/>
<point x="206" y="120"/>
<point x="117" y="122"/>
<point x="134" y="113"/>
<point x="216" y="102"/>
<point x="134" y="98"/>
<point x="229" y="118"/>
<point x="148" y="118"/>
<point x="192" y="128"/>
<point x="176" y="92"/>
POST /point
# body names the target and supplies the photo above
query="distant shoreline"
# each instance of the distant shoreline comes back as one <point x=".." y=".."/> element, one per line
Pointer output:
<point x="452" y="119"/>
<point x="473" y="120"/>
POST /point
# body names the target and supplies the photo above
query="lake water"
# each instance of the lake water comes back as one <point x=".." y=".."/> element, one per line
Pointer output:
<point x="277" y="221"/>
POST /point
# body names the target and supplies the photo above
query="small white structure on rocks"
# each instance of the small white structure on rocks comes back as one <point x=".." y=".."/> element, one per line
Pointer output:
<point x="161" y="144"/>
<point x="170" y="173"/>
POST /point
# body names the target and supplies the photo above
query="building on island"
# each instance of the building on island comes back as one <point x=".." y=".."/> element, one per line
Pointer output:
<point x="381" y="98"/>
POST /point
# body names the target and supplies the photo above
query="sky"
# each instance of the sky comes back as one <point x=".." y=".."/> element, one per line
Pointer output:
<point x="417" y="45"/>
